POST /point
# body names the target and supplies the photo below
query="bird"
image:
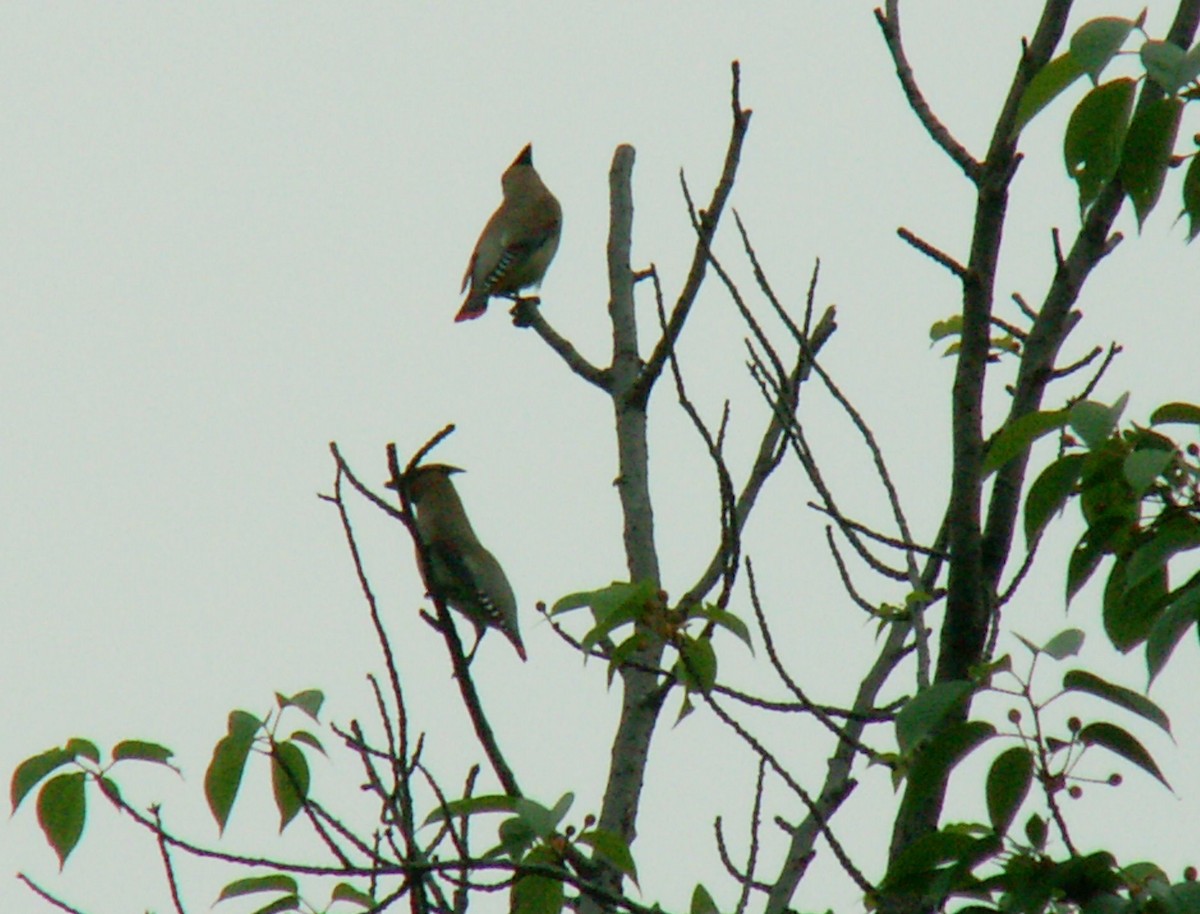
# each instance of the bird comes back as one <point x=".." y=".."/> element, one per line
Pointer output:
<point x="517" y="244"/>
<point x="459" y="569"/>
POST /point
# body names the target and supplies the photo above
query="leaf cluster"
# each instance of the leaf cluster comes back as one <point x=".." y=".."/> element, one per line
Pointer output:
<point x="1106" y="138"/>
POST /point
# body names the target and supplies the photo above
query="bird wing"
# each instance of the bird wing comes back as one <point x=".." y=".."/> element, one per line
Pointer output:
<point x="456" y="578"/>
<point x="515" y="253"/>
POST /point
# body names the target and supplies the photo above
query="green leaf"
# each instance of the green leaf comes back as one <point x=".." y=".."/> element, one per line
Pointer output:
<point x="924" y="712"/>
<point x="1049" y="82"/>
<point x="109" y="788"/>
<point x="610" y="621"/>
<point x="951" y="326"/>
<point x="1130" y="612"/>
<point x="1049" y="493"/>
<point x="1191" y="206"/>
<point x="729" y="621"/>
<point x="1008" y="783"/>
<point x="1171" y="625"/>
<point x="697" y="664"/>
<point x="606" y="599"/>
<point x="1065" y="644"/>
<point x="469" y="806"/>
<point x="1035" y="831"/>
<point x="309" y="701"/>
<point x="933" y="761"/>
<point x="85" y="747"/>
<point x="303" y="736"/>
<point x="33" y="769"/>
<point x="543" y="821"/>
<point x="685" y="708"/>
<point x="1187" y="413"/>
<point x="1177" y="532"/>
<point x="61" y="812"/>
<point x="1095" y="422"/>
<point x="1147" y="153"/>
<point x="1164" y="64"/>
<point x="344" y="891"/>
<point x="1085" y="877"/>
<point x="938" y="863"/>
<point x="562" y="807"/>
<point x="621" y="654"/>
<point x="702" y="902"/>
<point x="1095" y="135"/>
<point x="1091" y="549"/>
<point x="1096" y="42"/>
<point x="534" y="893"/>
<point x="286" y="903"/>
<point x="243" y="725"/>
<point x="277" y="882"/>
<point x="224" y="774"/>
<point x="143" y="751"/>
<point x="612" y="848"/>
<point x="289" y="780"/>
<point x="1091" y="684"/>
<point x="1114" y="739"/>
<point x="1188" y="68"/>
<point x="1142" y="468"/>
<point x="1017" y="437"/>
<point x="1105" y="495"/>
<point x="516" y="837"/>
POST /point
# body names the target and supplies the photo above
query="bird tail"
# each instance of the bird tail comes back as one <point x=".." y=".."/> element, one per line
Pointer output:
<point x="472" y="308"/>
<point x="516" y="642"/>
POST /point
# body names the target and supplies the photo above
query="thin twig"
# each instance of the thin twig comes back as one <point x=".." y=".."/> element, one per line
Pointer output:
<point x="421" y="453"/>
<point x="166" y="859"/>
<point x="842" y="733"/>
<point x="709" y="220"/>
<point x="866" y="531"/>
<point x="38" y="890"/>
<point x="385" y="645"/>
<point x="730" y="544"/>
<point x="821" y="816"/>
<point x="796" y="439"/>
<point x="847" y="581"/>
<point x="935" y="254"/>
<point x="1077" y="364"/>
<point x="889" y="24"/>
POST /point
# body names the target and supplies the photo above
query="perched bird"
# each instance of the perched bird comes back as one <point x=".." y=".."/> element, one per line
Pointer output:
<point x="460" y="570"/>
<point x="518" y="242"/>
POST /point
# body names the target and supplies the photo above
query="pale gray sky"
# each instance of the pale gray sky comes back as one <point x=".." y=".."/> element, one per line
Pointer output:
<point x="234" y="232"/>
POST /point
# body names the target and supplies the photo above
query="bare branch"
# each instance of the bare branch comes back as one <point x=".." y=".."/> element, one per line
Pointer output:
<point x="1020" y="302"/>
<point x="46" y="896"/>
<point x="866" y="531"/>
<point x="166" y="859"/>
<point x="1075" y="366"/>
<point x="799" y="444"/>
<point x="889" y="24"/>
<point x="848" y="582"/>
<point x="842" y="733"/>
<point x="817" y="810"/>
<point x="420" y="455"/>
<point x="769" y="451"/>
<point x="934" y="254"/>
<point x="1011" y="329"/>
<point x="709" y="220"/>
<point x="525" y="313"/>
<point x="730" y="547"/>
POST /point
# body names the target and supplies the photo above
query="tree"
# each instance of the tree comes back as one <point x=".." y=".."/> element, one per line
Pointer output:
<point x="1136" y="486"/>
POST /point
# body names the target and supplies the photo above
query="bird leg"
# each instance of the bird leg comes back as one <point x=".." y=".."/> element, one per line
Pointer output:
<point x="522" y="310"/>
<point x="478" y="638"/>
